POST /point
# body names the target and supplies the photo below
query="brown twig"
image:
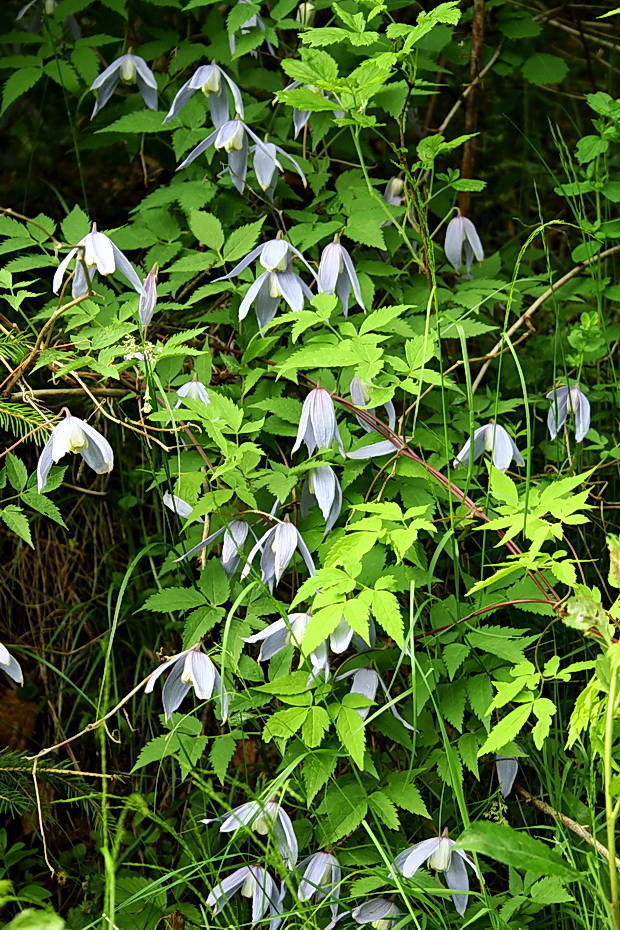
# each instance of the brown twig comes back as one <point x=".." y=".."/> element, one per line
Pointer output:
<point x="572" y="825"/>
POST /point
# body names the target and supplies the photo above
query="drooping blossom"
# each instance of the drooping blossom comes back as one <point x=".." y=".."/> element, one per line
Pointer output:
<point x="302" y="117"/>
<point x="95" y="252"/>
<point x="320" y="880"/>
<point x="195" y="390"/>
<point x="267" y="818"/>
<point x="462" y="243"/>
<point x="378" y="912"/>
<point x="507" y="769"/>
<point x="190" y="669"/>
<point x="128" y="69"/>
<point x="277" y="282"/>
<point x="276" y="547"/>
<point x="252" y="22"/>
<point x="393" y="193"/>
<point x="290" y="631"/>
<point x="10" y="666"/>
<point x="375" y="450"/>
<point x="266" y="166"/>
<point x="235" y="535"/>
<point x="178" y="505"/>
<point x="491" y="438"/>
<point x="366" y="683"/>
<point x="322" y="488"/>
<point x="317" y="425"/>
<point x="565" y="400"/>
<point x="305" y="14"/>
<point x="360" y="395"/>
<point x="74" y="435"/>
<point x="252" y="881"/>
<point x="337" y="275"/>
<point x="441" y="856"/>
<point x="213" y="82"/>
<point x="148" y="298"/>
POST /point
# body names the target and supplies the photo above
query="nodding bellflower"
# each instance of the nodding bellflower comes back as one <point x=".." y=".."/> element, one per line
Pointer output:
<point x="366" y="682"/>
<point x="565" y="400"/>
<point x="266" y="166"/>
<point x="267" y="819"/>
<point x="507" y="768"/>
<point x="322" y="488"/>
<point x="277" y="282"/>
<point x="252" y="881"/>
<point x="290" y="631"/>
<point x="128" y="69"/>
<point x="441" y="856"/>
<point x="190" y="669"/>
<point x="462" y="243"/>
<point x="10" y="666"/>
<point x="195" y="390"/>
<point x="276" y="547"/>
<point x="178" y="505"/>
<point x="360" y="395"/>
<point x="95" y="252"/>
<point x="337" y="275"/>
<point x="317" y="425"/>
<point x="378" y="912"/>
<point x="235" y="535"/>
<point x="320" y="880"/>
<point x="491" y="438"/>
<point x="74" y="435"/>
<point x="148" y="298"/>
<point x="212" y="81"/>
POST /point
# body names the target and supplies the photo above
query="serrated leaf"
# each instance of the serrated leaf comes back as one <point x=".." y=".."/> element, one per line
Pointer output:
<point x="75" y="226"/>
<point x="317" y="770"/>
<point x="351" y="730"/>
<point x="507" y="729"/>
<point x="405" y="794"/>
<point x="222" y="750"/>
<point x="43" y="505"/>
<point x="285" y="723"/>
<point x="387" y="613"/>
<point x="142" y="121"/>
<point x="18" y="83"/>
<point x="315" y="726"/>
<point x="16" y="472"/>
<point x="384" y="809"/>
<point x="242" y="240"/>
<point x="172" y="599"/>
<point x="16" y="520"/>
<point x="207" y="229"/>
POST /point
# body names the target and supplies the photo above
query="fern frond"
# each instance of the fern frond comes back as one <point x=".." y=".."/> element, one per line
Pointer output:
<point x="19" y="419"/>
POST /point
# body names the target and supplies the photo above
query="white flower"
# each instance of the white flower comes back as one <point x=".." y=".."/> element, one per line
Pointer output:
<point x="462" y="237"/>
<point x="195" y="390"/>
<point x="564" y="400"/>
<point x="323" y="488"/>
<point x="265" y="818"/>
<point x="337" y="274"/>
<point x="130" y="69"/>
<point x="190" y="669"/>
<point x="441" y="856"/>
<point x="277" y="547"/>
<point x="74" y="435"/>
<point x="208" y="79"/>
<point x="491" y="438"/>
<point x="254" y="882"/>
<point x="10" y="666"/>
<point x="378" y="912"/>
<point x="317" y="425"/>
<point x="148" y="298"/>
<point x="321" y="879"/>
<point x="95" y="252"/>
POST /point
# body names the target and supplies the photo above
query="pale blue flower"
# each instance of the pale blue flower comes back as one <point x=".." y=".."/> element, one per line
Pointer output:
<point x="565" y="400"/>
<point x="267" y="819"/>
<point x="190" y="669"/>
<point x="148" y="298"/>
<point x="337" y="275"/>
<point x="235" y="535"/>
<point x="254" y="882"/>
<point x="322" y="488"/>
<point x="266" y="166"/>
<point x="95" y="252"/>
<point x="360" y="395"/>
<point x="178" y="505"/>
<point x="375" y="450"/>
<point x="378" y="912"/>
<point x="277" y="282"/>
<point x="462" y="243"/>
<point x="366" y="683"/>
<point x="317" y="425"/>
<point x="128" y="69"/>
<point x="441" y="856"/>
<point x="74" y="435"/>
<point x="321" y="880"/>
<point x="491" y="438"/>
<point x="195" y="390"/>
<point x="212" y="81"/>
<point x="10" y="666"/>
<point x="277" y="546"/>
<point x="507" y="768"/>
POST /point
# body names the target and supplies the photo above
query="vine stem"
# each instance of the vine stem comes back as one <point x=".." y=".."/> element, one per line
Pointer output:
<point x="610" y="812"/>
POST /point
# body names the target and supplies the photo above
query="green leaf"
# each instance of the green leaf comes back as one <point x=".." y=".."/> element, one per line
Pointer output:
<point x="516" y="849"/>
<point x="387" y="613"/>
<point x="171" y="599"/>
<point x="222" y="750"/>
<point x="16" y="520"/>
<point x="242" y="240"/>
<point x="141" y="121"/>
<point x="506" y="730"/>
<point x="544" y="69"/>
<point x="32" y="919"/>
<point x="404" y="793"/>
<point x="43" y="505"/>
<point x="315" y="726"/>
<point x="16" y="472"/>
<point x="351" y="730"/>
<point x="18" y="83"/>
<point x="318" y="767"/>
<point x="302" y="98"/>
<point x="207" y="229"/>
<point x="344" y="808"/>
<point x="285" y="723"/>
<point x="384" y="809"/>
